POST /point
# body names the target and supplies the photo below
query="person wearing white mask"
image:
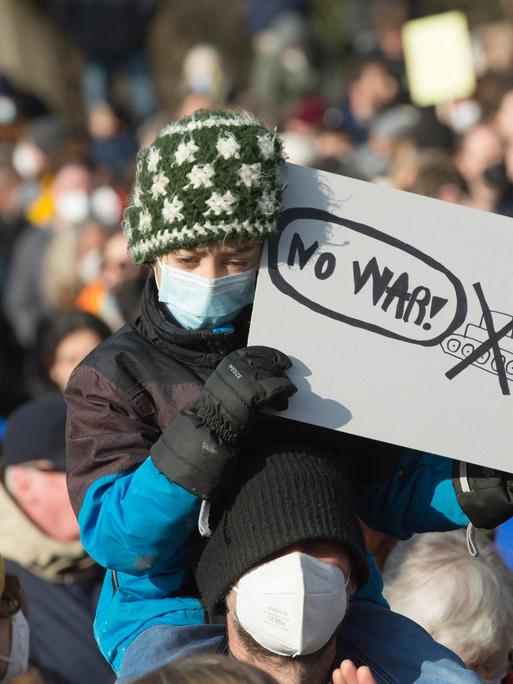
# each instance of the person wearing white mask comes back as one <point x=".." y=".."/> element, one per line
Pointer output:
<point x="278" y="577"/>
<point x="44" y="140"/>
<point x="162" y="412"/>
<point x="71" y="190"/>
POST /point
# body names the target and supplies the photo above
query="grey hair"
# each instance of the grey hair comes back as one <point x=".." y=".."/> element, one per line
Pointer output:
<point x="465" y="603"/>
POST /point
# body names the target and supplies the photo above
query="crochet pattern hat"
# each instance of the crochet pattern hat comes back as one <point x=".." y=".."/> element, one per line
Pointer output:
<point x="212" y="176"/>
<point x="280" y="496"/>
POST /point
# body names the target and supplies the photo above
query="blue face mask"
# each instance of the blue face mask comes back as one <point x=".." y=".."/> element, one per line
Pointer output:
<point x="198" y="303"/>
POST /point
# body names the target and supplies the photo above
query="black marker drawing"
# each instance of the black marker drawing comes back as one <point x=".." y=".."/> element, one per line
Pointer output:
<point x="483" y="349"/>
<point x="416" y="305"/>
<point x="397" y="291"/>
<point x="462" y="346"/>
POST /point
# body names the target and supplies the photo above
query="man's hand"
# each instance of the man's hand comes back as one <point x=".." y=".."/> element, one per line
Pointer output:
<point x="244" y="382"/>
<point x="348" y="674"/>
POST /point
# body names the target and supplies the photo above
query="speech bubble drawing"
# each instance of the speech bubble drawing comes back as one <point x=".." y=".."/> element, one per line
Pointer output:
<point x="363" y="277"/>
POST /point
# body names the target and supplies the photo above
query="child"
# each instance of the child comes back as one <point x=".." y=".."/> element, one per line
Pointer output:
<point x="146" y="444"/>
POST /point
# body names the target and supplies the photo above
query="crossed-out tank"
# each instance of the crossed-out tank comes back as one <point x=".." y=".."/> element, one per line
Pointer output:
<point x="462" y="346"/>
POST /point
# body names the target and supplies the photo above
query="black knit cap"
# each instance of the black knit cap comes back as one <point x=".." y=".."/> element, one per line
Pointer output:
<point x="37" y="430"/>
<point x="279" y="496"/>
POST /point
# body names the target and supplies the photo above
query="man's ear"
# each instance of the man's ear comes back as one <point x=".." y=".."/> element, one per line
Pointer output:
<point x="230" y="602"/>
<point x="231" y="616"/>
<point x="351" y="587"/>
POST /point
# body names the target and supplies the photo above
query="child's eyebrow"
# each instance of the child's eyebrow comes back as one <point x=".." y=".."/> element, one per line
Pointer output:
<point x="243" y="248"/>
<point x="198" y="251"/>
<point x="191" y="252"/>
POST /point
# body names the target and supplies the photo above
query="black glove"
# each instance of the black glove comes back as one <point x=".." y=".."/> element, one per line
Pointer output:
<point x="484" y="494"/>
<point x="191" y="455"/>
<point x="245" y="381"/>
<point x="200" y="448"/>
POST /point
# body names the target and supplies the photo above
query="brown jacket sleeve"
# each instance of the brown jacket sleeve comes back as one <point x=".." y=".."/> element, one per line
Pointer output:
<point x="108" y="431"/>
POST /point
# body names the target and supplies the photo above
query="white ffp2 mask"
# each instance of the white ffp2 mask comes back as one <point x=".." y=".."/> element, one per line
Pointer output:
<point x="72" y="206"/>
<point x="292" y="605"/>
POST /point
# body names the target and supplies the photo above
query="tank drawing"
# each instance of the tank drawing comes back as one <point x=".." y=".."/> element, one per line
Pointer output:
<point x="462" y="346"/>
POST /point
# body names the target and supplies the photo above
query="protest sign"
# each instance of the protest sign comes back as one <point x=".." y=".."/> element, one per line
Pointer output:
<point x="397" y="311"/>
<point x="438" y="58"/>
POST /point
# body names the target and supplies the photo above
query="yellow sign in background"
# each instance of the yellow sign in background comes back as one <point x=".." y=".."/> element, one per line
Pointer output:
<point x="438" y="57"/>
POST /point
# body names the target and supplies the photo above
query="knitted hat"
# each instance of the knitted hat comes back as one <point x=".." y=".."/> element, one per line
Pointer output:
<point x="37" y="430"/>
<point x="212" y="176"/>
<point x="278" y="497"/>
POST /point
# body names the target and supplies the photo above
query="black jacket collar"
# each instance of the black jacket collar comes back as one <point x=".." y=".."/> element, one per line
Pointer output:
<point x="200" y="348"/>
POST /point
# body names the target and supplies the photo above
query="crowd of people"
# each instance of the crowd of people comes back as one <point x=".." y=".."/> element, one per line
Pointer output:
<point x="143" y="540"/>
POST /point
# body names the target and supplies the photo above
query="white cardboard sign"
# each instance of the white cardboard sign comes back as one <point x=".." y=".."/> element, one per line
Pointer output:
<point x="397" y="311"/>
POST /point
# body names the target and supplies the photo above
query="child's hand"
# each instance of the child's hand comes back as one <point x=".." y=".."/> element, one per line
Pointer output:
<point x="348" y="674"/>
<point x="245" y="381"/>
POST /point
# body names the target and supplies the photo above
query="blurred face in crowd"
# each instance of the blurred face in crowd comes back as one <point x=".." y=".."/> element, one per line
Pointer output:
<point x="481" y="148"/>
<point x="382" y="87"/>
<point x="215" y="259"/>
<point x="69" y="353"/>
<point x="71" y="188"/>
<point x="388" y="17"/>
<point x="116" y="263"/>
<point x="102" y="121"/>
<point x="372" y="91"/>
<point x="43" y="496"/>
<point x="29" y="160"/>
<point x="332" y="144"/>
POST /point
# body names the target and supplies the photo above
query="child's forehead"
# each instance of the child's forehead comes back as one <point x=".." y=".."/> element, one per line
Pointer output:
<point x="229" y="246"/>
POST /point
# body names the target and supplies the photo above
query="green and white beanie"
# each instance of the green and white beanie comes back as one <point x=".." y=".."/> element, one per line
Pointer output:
<point x="212" y="176"/>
